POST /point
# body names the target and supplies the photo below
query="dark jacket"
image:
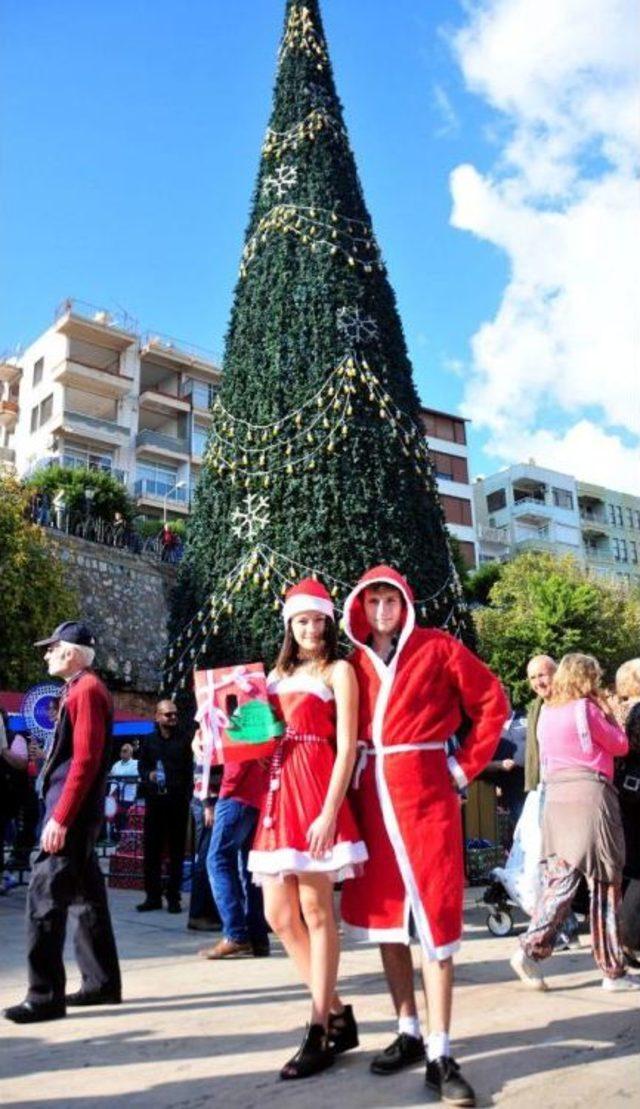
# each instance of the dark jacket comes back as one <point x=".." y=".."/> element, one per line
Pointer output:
<point x="627" y="780"/>
<point x="74" y="777"/>
<point x="177" y="760"/>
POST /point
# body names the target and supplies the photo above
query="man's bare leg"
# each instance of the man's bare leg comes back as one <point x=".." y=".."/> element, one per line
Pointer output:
<point x="407" y="1049"/>
<point x="398" y="970"/>
<point x="438" y="988"/>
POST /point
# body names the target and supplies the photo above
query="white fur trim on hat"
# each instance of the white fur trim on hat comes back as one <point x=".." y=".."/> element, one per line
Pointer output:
<point x="305" y="602"/>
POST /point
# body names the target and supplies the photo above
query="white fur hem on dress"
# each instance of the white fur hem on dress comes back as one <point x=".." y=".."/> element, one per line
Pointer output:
<point x="345" y="860"/>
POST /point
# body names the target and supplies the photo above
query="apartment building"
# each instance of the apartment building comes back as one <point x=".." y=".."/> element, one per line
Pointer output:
<point x="447" y="438"/>
<point x="95" y="393"/>
<point x="529" y="507"/>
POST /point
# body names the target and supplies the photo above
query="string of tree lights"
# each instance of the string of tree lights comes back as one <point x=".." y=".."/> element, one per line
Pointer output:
<point x="318" y="229"/>
<point x="316" y="462"/>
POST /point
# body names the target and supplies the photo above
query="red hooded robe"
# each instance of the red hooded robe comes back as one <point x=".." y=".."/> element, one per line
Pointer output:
<point x="403" y="795"/>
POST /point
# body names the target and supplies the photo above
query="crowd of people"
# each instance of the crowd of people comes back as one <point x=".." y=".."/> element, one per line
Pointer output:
<point x="364" y="791"/>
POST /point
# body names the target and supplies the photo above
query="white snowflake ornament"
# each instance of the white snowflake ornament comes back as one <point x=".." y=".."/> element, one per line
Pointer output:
<point x="251" y="520"/>
<point x="356" y="327"/>
<point x="283" y="178"/>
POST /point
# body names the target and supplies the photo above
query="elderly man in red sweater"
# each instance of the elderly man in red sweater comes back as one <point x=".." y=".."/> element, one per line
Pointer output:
<point x="66" y="870"/>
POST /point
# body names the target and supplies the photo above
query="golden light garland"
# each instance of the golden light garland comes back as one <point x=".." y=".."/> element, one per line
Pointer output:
<point x="317" y="228"/>
<point x="301" y="36"/>
<point x="318" y="122"/>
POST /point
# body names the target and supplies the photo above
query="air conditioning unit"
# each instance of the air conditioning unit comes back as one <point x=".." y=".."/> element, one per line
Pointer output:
<point x="102" y="317"/>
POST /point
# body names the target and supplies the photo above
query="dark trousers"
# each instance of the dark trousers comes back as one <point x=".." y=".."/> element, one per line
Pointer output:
<point x="58" y="881"/>
<point x="202" y="904"/>
<point x="165" y="822"/>
<point x="630" y="914"/>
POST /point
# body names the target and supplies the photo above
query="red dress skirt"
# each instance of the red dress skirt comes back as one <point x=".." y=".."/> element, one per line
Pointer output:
<point x="301" y="768"/>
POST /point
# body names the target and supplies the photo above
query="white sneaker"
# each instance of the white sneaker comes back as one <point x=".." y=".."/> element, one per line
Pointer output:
<point x="621" y="985"/>
<point x="527" y="970"/>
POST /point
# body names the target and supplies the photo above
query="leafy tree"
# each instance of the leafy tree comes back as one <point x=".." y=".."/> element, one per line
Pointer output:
<point x="109" y="494"/>
<point x="545" y="605"/>
<point x="35" y="596"/>
<point x="316" y="458"/>
<point x="480" y="582"/>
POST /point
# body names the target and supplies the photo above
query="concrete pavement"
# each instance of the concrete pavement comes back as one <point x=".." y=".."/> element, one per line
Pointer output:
<point x="192" y="1033"/>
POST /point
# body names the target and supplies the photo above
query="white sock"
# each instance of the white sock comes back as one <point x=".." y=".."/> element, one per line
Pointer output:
<point x="438" y="1044"/>
<point x="410" y="1026"/>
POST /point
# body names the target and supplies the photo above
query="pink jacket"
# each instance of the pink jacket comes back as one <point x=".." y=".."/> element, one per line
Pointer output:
<point x="579" y="734"/>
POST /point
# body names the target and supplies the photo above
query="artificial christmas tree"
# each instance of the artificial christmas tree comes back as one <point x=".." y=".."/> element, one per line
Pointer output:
<point x="316" y="460"/>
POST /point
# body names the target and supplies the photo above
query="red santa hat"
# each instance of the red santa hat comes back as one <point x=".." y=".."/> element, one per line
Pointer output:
<point x="308" y="595"/>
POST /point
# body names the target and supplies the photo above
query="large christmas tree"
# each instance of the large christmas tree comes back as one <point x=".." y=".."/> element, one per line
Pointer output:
<point x="316" y="460"/>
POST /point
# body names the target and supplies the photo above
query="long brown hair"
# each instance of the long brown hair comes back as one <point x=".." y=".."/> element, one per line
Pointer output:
<point x="289" y="656"/>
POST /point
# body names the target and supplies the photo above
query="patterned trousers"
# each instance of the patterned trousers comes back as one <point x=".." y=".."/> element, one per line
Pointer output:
<point x="559" y="884"/>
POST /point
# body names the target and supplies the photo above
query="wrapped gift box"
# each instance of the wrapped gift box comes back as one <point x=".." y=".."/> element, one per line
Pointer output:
<point x="236" y="721"/>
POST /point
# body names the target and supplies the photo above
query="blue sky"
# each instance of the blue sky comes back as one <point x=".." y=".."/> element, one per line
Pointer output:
<point x="130" y="142"/>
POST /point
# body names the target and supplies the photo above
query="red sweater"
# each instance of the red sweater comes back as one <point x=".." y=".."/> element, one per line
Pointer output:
<point x="88" y="706"/>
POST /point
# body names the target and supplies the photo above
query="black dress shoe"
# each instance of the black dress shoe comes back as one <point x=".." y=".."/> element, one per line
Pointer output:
<point x="93" y="997"/>
<point x="405" y="1051"/>
<point x="28" y="1013"/>
<point x="148" y="906"/>
<point x="174" y="907"/>
<point x="444" y="1077"/>
<point x="261" y="950"/>
<point x="343" y="1030"/>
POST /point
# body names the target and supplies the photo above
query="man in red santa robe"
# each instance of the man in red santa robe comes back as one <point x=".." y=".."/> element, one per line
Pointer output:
<point x="416" y="687"/>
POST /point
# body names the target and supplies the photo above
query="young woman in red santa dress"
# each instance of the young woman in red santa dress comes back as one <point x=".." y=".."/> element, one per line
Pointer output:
<point x="307" y="838"/>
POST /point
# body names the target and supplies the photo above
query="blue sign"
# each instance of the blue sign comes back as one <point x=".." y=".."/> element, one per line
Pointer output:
<point x="39" y="710"/>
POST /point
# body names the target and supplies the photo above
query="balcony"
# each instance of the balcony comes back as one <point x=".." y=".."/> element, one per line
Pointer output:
<point x="9" y="371"/>
<point x="107" y="382"/>
<point x="7" y="456"/>
<point x="158" y="443"/>
<point x="498" y="536"/>
<point x="532" y="510"/>
<point x="89" y="323"/>
<point x="173" y="353"/>
<point x="92" y="427"/>
<point x="155" y="399"/>
<point x="8" y="413"/>
<point x="161" y="493"/>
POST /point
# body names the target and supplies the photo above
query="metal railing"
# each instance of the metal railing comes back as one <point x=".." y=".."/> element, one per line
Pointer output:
<point x="160" y="490"/>
<point x="149" y="438"/>
<point x="108" y="317"/>
<point x="117" y="533"/>
<point x="73" y="463"/>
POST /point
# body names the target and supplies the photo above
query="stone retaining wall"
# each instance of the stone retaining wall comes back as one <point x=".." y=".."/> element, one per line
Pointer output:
<point x="125" y="599"/>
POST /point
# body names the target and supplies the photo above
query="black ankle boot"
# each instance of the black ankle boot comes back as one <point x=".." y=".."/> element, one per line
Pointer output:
<point x="343" y="1031"/>
<point x="313" y="1055"/>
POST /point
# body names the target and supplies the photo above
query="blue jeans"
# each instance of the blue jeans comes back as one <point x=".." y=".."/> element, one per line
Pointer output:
<point x="239" y="902"/>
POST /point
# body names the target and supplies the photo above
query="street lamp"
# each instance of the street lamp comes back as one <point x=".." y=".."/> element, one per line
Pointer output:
<point x="178" y="485"/>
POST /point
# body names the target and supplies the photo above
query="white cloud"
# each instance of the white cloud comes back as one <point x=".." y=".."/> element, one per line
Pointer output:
<point x="562" y="203"/>
<point x="450" y="124"/>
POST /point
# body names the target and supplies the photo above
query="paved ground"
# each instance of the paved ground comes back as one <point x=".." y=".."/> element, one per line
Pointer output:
<point x="192" y="1033"/>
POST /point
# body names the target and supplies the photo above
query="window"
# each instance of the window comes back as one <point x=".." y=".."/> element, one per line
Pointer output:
<point x="450" y="467"/>
<point x="620" y="550"/>
<point x="629" y="515"/>
<point x="468" y="552"/>
<point x="198" y="439"/>
<point x="34" y="418"/>
<point x="611" y="513"/>
<point x="438" y="426"/>
<point x="636" y="513"/>
<point x="79" y="459"/>
<point x="497" y="500"/>
<point x="457" y="510"/>
<point x="562" y="498"/>
<point x="38" y="368"/>
<point x="46" y="409"/>
<point x="633" y="551"/>
<point x="619" y="518"/>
